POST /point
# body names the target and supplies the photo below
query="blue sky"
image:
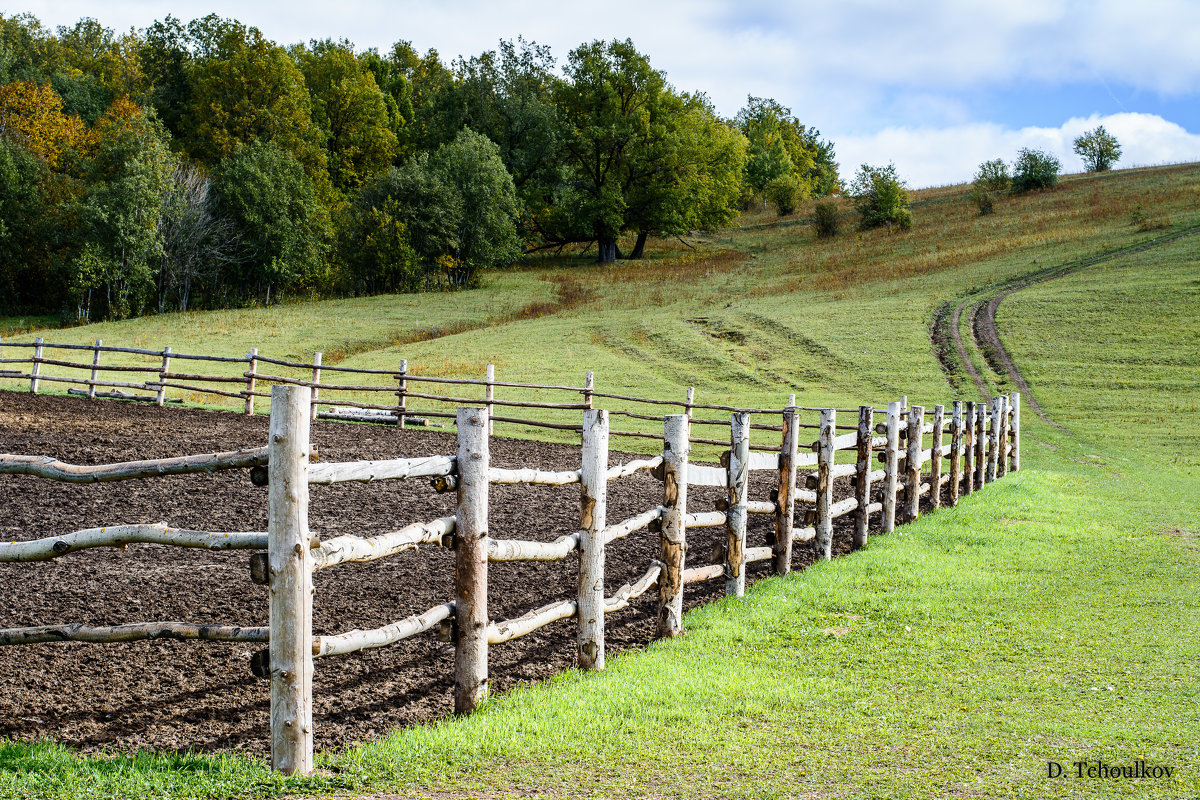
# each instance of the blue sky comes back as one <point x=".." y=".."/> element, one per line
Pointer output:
<point x="935" y="87"/>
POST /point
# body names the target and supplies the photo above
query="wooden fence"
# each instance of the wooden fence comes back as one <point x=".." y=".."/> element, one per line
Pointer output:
<point x="911" y="446"/>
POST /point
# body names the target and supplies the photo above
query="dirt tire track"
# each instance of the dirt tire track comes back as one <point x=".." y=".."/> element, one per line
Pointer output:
<point x="982" y="317"/>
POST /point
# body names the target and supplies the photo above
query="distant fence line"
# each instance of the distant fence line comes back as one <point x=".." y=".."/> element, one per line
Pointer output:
<point x="916" y="460"/>
<point x="337" y="401"/>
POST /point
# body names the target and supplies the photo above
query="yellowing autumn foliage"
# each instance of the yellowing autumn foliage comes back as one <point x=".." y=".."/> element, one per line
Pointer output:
<point x="32" y="114"/>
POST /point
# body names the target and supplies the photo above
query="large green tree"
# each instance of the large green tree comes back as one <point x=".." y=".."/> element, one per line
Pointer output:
<point x="781" y="146"/>
<point x="243" y="88"/>
<point x="350" y="110"/>
<point x="637" y="156"/>
<point x="284" y="230"/>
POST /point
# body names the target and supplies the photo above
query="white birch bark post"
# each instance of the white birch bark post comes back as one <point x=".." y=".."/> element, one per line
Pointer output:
<point x="1002" y="437"/>
<point x="891" y="465"/>
<point x="290" y="578"/>
<point x="490" y="393"/>
<point x="735" y="519"/>
<point x="912" y="464"/>
<point x="994" y="440"/>
<point x="956" y="445"/>
<point x="691" y="398"/>
<point x="971" y="448"/>
<point x="981" y="413"/>
<point x="588" y="386"/>
<point x="785" y="509"/>
<point x="250" y="380"/>
<point x="35" y="368"/>
<point x="402" y="393"/>
<point x="95" y="372"/>
<point x="471" y="563"/>
<point x="862" y="475"/>
<point x="160" y="396"/>
<point x="674" y="525"/>
<point x="935" y="456"/>
<point x="825" y="453"/>
<point x="593" y="494"/>
<point x="316" y="380"/>
<point x="1015" y="435"/>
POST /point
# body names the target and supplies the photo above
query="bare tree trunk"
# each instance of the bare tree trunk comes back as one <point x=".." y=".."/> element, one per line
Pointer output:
<point x="640" y="246"/>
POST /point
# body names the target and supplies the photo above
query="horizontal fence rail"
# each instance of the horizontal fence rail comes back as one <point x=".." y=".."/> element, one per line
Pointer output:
<point x="912" y="453"/>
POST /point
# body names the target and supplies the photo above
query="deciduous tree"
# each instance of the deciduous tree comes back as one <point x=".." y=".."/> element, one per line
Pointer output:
<point x="1099" y="149"/>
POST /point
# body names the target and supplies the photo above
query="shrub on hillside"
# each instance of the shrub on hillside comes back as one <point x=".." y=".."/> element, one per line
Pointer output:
<point x="785" y="193"/>
<point x="993" y="176"/>
<point x="827" y="219"/>
<point x="881" y="198"/>
<point x="1034" y="169"/>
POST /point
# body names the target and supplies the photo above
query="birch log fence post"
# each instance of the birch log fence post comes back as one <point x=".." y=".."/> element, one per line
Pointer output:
<point x="316" y="380"/>
<point x="35" y="368"/>
<point x="160" y="396"/>
<point x="1002" y="438"/>
<point x="971" y="448"/>
<point x="956" y="443"/>
<point x="489" y="378"/>
<point x="735" y="520"/>
<point x="935" y="455"/>
<point x="1015" y="400"/>
<point x="825" y="454"/>
<point x="912" y="464"/>
<point x="674" y="525"/>
<point x="95" y="372"/>
<point x="891" y="464"/>
<point x="980" y="444"/>
<point x="691" y="399"/>
<point x="862" y="475"/>
<point x="402" y="393"/>
<point x="588" y="387"/>
<point x="252" y="357"/>
<point x="290" y="579"/>
<point x="994" y="438"/>
<point x="785" y="507"/>
<point x="593" y="493"/>
<point x="471" y="562"/>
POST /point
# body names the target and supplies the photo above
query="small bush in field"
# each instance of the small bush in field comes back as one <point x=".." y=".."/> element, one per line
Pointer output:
<point x="826" y="219"/>
<point x="785" y="193"/>
<point x="1034" y="169"/>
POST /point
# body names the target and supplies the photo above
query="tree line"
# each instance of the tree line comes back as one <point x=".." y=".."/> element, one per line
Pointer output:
<point x="199" y="164"/>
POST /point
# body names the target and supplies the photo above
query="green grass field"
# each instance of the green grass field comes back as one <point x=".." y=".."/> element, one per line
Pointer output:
<point x="1052" y="617"/>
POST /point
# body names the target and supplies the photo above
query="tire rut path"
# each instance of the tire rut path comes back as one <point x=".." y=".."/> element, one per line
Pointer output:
<point x="982" y="304"/>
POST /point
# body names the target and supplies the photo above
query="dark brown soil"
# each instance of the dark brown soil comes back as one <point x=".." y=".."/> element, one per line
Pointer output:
<point x="172" y="695"/>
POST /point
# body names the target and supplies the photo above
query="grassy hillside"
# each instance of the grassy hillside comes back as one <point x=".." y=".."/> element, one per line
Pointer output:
<point x="1050" y="618"/>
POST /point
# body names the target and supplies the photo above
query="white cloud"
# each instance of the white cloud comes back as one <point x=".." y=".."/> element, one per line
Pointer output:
<point x="938" y="156"/>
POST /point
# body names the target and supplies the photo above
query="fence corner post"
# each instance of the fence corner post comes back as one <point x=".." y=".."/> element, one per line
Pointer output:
<point x="674" y="525"/>
<point x="785" y="506"/>
<point x="891" y="464"/>
<point x="735" y="517"/>
<point x="825" y="456"/>
<point x="471" y="562"/>
<point x="593" y="512"/>
<point x="291" y="592"/>
<point x="1015" y="402"/>
<point x="862" y="475"/>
